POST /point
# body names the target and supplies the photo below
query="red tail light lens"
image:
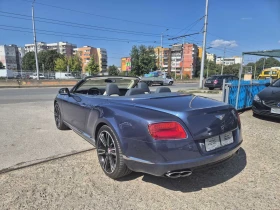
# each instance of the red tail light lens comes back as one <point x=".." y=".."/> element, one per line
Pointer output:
<point x="167" y="131"/>
<point x="215" y="81"/>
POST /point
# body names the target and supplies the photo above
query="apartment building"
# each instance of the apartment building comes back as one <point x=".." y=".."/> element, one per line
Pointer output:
<point x="85" y="53"/>
<point x="189" y="58"/>
<point x="9" y="56"/>
<point x="229" y="60"/>
<point x="176" y="58"/>
<point x="102" y="59"/>
<point x="211" y="57"/>
<point x="163" y="58"/>
<point x="31" y="47"/>
<point x="64" y="48"/>
<point x="200" y="52"/>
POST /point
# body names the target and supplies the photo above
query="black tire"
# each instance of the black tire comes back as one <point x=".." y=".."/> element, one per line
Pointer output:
<point x="211" y="88"/>
<point x="170" y="83"/>
<point x="109" y="153"/>
<point x="58" y="118"/>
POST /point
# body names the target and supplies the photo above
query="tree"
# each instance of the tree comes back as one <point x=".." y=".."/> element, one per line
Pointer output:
<point x="61" y="64"/>
<point x="47" y="58"/>
<point x="28" y="61"/>
<point x="143" y="59"/>
<point x="92" y="68"/>
<point x="75" y="63"/>
<point x="113" y="70"/>
<point x="1" y="65"/>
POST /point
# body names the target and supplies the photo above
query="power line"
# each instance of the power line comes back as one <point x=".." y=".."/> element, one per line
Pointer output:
<point x="112" y="18"/>
<point x="76" y="36"/>
<point x="190" y="26"/>
<point x="84" y="35"/>
<point x="78" y="25"/>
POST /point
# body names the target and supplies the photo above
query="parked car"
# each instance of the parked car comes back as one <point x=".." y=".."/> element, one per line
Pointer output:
<point x="157" y="77"/>
<point x="162" y="133"/>
<point x="64" y="75"/>
<point x="34" y="76"/>
<point x="267" y="102"/>
<point x="216" y="81"/>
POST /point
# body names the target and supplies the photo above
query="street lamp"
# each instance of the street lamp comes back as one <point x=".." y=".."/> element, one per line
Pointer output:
<point x="161" y="36"/>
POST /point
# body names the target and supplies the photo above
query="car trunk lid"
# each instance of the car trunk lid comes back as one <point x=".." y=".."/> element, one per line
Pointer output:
<point x="204" y="117"/>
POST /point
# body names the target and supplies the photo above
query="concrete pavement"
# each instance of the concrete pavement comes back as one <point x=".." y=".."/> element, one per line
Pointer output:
<point x="250" y="180"/>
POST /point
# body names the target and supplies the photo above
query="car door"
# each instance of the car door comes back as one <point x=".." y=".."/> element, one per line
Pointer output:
<point x="75" y="110"/>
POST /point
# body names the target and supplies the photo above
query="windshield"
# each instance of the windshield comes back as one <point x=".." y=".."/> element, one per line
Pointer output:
<point x="276" y="83"/>
<point x="101" y="82"/>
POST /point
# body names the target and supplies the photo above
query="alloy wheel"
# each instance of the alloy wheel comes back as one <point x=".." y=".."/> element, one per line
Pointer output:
<point x="57" y="115"/>
<point x="106" y="151"/>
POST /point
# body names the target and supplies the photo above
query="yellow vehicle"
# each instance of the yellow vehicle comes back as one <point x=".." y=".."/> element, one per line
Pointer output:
<point x="273" y="72"/>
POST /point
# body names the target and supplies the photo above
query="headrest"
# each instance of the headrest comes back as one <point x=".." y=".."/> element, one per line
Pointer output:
<point x="144" y="86"/>
<point x="112" y="89"/>
<point x="163" y="90"/>
<point x="134" y="91"/>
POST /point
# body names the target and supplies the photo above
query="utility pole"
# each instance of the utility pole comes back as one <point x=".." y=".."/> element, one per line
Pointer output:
<point x="204" y="45"/>
<point x="263" y="63"/>
<point x="223" y="61"/>
<point x="161" y="59"/>
<point x="35" y="43"/>
<point x="182" y="69"/>
<point x="255" y="69"/>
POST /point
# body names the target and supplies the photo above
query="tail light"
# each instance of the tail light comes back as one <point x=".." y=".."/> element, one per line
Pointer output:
<point x="215" y="81"/>
<point x="167" y="131"/>
<point x="238" y="117"/>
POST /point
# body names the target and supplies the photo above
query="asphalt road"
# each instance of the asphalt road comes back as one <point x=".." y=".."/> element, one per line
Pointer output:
<point x="21" y="95"/>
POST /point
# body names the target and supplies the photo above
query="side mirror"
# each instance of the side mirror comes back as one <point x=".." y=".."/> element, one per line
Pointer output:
<point x="267" y="84"/>
<point x="64" y="91"/>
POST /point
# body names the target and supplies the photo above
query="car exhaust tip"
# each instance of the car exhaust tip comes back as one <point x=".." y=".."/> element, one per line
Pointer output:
<point x="178" y="174"/>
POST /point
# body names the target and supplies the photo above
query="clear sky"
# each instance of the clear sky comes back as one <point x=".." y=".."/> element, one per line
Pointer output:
<point x="117" y="25"/>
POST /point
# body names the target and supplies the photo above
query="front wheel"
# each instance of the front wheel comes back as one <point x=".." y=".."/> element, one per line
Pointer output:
<point x="211" y="88"/>
<point x="58" y="119"/>
<point x="109" y="154"/>
<point x="170" y="83"/>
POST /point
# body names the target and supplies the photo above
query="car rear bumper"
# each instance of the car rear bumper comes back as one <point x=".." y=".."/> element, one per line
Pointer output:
<point x="187" y="159"/>
<point x="260" y="109"/>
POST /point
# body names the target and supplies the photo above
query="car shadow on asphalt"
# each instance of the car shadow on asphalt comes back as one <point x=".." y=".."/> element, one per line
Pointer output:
<point x="202" y="178"/>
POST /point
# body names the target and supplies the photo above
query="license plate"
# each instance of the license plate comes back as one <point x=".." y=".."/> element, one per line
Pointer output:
<point x="275" y="110"/>
<point x="226" y="138"/>
<point x="212" y="143"/>
<point x="208" y="81"/>
<point x="218" y="141"/>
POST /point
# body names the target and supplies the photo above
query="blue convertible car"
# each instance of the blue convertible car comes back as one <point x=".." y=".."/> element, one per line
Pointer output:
<point x="160" y="133"/>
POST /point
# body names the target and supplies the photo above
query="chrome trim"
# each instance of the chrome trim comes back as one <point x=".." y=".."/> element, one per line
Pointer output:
<point x="82" y="134"/>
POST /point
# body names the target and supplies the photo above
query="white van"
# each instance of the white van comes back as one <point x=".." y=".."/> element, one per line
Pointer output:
<point x="63" y="75"/>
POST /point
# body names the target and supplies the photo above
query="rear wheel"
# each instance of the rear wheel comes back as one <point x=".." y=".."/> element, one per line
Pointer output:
<point x="211" y="88"/>
<point x="58" y="119"/>
<point x="109" y="154"/>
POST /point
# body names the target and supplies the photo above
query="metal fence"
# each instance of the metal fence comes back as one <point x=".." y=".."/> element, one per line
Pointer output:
<point x="247" y="92"/>
<point x="27" y="74"/>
